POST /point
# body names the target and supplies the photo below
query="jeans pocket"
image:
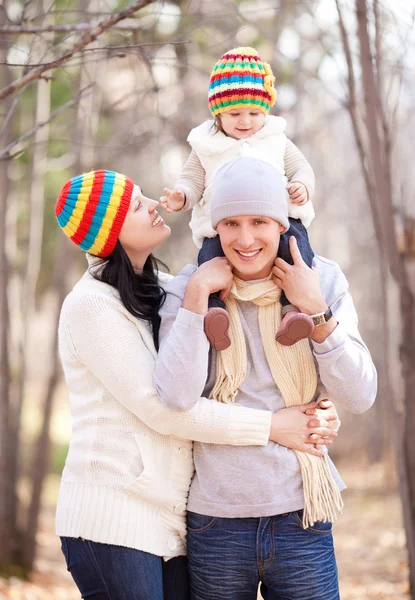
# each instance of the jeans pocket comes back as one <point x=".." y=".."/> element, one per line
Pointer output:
<point x="197" y="523"/>
<point x="319" y="527"/>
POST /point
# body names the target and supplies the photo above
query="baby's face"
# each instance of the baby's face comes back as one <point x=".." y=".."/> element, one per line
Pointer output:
<point x="240" y="123"/>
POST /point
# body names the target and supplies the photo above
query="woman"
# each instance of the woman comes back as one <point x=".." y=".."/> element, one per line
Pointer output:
<point x="122" y="500"/>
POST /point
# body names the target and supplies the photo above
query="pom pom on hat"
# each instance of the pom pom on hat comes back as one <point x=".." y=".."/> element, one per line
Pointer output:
<point x="91" y="209"/>
<point x="240" y="79"/>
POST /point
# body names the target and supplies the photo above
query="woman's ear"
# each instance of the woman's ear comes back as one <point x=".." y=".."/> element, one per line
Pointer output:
<point x="281" y="227"/>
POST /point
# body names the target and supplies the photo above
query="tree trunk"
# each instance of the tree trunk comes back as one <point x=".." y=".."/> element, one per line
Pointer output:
<point x="380" y="164"/>
<point x="41" y="456"/>
<point x="87" y="121"/>
<point x="406" y="427"/>
<point x="8" y="500"/>
<point x="381" y="440"/>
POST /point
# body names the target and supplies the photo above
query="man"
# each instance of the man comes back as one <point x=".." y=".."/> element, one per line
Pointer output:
<point x="262" y="513"/>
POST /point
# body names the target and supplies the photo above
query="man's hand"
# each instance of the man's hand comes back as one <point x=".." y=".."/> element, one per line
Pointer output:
<point x="172" y="201"/>
<point x="212" y="276"/>
<point x="302" y="288"/>
<point x="300" y="283"/>
<point x="298" y="193"/>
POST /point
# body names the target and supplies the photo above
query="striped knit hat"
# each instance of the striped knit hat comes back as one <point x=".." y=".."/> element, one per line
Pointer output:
<point x="240" y="79"/>
<point x="91" y="209"/>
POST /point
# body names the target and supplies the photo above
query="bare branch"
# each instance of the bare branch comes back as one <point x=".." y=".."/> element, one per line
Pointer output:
<point x="4" y="154"/>
<point x="9" y="114"/>
<point x="107" y="49"/>
<point x="85" y="40"/>
<point x="29" y="30"/>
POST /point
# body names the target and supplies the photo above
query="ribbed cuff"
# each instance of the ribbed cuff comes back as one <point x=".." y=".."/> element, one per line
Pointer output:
<point x="249" y="426"/>
<point x="189" y="202"/>
<point x="335" y="341"/>
<point x="303" y="178"/>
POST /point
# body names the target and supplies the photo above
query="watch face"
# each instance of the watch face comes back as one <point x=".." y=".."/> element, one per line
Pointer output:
<point x="319" y="320"/>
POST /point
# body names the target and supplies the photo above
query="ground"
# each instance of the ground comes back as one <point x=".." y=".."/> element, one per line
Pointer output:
<point x="369" y="539"/>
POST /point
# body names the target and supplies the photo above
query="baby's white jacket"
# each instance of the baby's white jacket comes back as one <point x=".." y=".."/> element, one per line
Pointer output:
<point x="211" y="150"/>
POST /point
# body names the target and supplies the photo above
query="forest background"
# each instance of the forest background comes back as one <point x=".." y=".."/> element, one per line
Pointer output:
<point x="91" y="84"/>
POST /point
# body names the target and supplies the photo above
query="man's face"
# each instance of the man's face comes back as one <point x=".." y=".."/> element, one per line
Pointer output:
<point x="250" y="243"/>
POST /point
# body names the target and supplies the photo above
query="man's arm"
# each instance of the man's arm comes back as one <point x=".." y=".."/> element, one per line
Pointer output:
<point x="346" y="367"/>
<point x="181" y="367"/>
<point x="345" y="364"/>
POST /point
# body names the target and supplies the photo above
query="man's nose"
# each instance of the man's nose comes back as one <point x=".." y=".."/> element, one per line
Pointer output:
<point x="246" y="239"/>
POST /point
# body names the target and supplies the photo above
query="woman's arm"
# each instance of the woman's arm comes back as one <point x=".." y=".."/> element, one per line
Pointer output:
<point x="99" y="337"/>
<point x="99" y="340"/>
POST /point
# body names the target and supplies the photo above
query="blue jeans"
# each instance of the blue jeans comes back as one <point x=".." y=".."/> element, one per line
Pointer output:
<point x="212" y="247"/>
<point x="107" y="572"/>
<point x="229" y="557"/>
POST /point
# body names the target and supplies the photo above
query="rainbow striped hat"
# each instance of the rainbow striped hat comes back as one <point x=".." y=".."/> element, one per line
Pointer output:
<point x="240" y="79"/>
<point x="91" y="209"/>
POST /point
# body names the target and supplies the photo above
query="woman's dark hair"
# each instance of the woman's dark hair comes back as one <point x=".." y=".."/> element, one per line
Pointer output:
<point x="140" y="293"/>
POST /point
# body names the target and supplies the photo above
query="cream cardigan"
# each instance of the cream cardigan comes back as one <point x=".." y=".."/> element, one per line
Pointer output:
<point x="129" y="465"/>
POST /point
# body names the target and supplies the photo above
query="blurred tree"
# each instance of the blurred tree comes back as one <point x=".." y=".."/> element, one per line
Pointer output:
<point x="374" y="132"/>
<point x="17" y="546"/>
<point x="7" y="490"/>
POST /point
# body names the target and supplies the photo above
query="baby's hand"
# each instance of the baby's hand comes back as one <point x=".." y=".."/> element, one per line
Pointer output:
<point x="298" y="193"/>
<point x="172" y="201"/>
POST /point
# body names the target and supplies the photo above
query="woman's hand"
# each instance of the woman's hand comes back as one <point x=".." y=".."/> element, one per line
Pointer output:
<point x="212" y="276"/>
<point x="290" y="427"/>
<point x="326" y="416"/>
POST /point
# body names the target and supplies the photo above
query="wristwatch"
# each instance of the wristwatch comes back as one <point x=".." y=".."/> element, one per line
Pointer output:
<point x="320" y="319"/>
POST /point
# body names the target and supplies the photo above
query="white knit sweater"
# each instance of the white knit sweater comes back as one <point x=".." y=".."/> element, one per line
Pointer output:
<point x="129" y="466"/>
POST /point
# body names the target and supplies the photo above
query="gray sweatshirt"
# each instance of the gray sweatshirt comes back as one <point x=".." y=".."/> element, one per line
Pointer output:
<point x="257" y="481"/>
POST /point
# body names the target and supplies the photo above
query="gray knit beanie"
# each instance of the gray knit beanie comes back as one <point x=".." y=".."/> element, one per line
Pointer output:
<point x="249" y="186"/>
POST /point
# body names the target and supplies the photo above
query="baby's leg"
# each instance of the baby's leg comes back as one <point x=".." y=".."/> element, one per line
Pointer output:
<point x="211" y="248"/>
<point x="294" y="326"/>
<point x="216" y="320"/>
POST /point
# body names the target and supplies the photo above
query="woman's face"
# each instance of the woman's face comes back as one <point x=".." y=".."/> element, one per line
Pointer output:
<point x="143" y="228"/>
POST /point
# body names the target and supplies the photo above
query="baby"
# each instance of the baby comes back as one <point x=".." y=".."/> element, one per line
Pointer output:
<point x="241" y="93"/>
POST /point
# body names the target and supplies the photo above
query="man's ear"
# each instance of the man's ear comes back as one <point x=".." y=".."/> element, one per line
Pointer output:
<point x="281" y="227"/>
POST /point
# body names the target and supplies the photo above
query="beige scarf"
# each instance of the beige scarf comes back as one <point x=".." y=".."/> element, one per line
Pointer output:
<point x="293" y="371"/>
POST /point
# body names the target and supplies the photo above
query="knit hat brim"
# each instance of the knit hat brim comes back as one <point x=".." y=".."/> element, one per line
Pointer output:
<point x="249" y="186"/>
